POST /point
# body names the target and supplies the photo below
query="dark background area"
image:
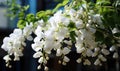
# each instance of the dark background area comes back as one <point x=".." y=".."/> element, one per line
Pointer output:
<point x="28" y="63"/>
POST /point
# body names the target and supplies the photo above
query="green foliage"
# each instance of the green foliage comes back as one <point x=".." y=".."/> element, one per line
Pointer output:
<point x="39" y="15"/>
<point x="72" y="29"/>
<point x="30" y="18"/>
<point x="16" y="10"/>
<point x="21" y="24"/>
<point x="99" y="36"/>
<point x="60" y="5"/>
<point x="110" y="18"/>
<point x="44" y="15"/>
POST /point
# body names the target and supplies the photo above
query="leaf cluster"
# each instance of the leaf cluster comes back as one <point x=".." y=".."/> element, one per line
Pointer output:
<point x="111" y="19"/>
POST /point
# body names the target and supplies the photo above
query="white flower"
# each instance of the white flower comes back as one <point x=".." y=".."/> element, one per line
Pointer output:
<point x="105" y="52"/>
<point x="37" y="46"/>
<point x="37" y="54"/>
<point x="83" y="33"/>
<point x="112" y="48"/>
<point x="61" y="33"/>
<point x="80" y="11"/>
<point x="79" y="24"/>
<point x="65" y="50"/>
<point x="39" y="67"/>
<point x="49" y="44"/>
<point x="6" y="46"/>
<point x="78" y="60"/>
<point x="39" y="32"/>
<point x="115" y="55"/>
<point x="46" y="68"/>
<point x="115" y="30"/>
<point x="7" y="58"/>
<point x="53" y="24"/>
<point x="97" y="62"/>
<point x="94" y="54"/>
<point x="41" y="60"/>
<point x="68" y="42"/>
<point x="84" y="6"/>
<point x="17" y="32"/>
<point x="66" y="59"/>
<point x="17" y="58"/>
<point x="57" y="45"/>
<point x="72" y="12"/>
<point x="79" y="42"/>
<point x="89" y="52"/>
<point x="27" y="31"/>
<point x="92" y="30"/>
<point x="80" y="49"/>
<point x="49" y="34"/>
<point x="96" y="49"/>
<point x="64" y="63"/>
<point x="41" y="23"/>
<point x="59" y="52"/>
<point x="59" y="18"/>
<point x="102" y="58"/>
<point x="87" y="62"/>
<point x="65" y="21"/>
<point x="14" y="43"/>
<point x="97" y="19"/>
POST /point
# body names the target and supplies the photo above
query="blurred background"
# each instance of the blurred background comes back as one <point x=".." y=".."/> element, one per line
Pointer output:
<point x="27" y="62"/>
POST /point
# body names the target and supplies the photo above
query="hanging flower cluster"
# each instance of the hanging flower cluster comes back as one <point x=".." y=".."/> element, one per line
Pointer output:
<point x="72" y="26"/>
<point x="15" y="43"/>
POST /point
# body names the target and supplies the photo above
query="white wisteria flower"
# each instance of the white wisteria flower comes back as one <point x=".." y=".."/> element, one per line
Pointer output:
<point x="27" y="31"/>
<point x="14" y="45"/>
<point x="77" y="27"/>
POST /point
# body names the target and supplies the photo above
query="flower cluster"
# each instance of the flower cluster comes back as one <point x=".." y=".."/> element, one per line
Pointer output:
<point x="15" y="43"/>
<point x="66" y="29"/>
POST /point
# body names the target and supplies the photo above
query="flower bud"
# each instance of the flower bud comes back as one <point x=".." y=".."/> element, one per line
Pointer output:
<point x="46" y="68"/>
<point x="115" y="55"/>
<point x="97" y="62"/>
<point x="59" y="52"/>
<point x="66" y="50"/>
<point x="7" y="58"/>
<point x="89" y="52"/>
<point x="39" y="67"/>
<point x="105" y="52"/>
<point x="41" y="60"/>
<point x="66" y="59"/>
<point x="102" y="58"/>
<point x="63" y="63"/>
<point x="37" y="54"/>
<point x="87" y="62"/>
<point x="112" y="48"/>
<point x="78" y="60"/>
<point x="80" y="49"/>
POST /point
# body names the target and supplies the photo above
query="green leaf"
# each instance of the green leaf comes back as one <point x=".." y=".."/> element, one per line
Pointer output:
<point x="65" y="2"/>
<point x="71" y="26"/>
<point x="21" y="15"/>
<point x="72" y="29"/>
<point x="30" y="18"/>
<point x="103" y="2"/>
<point x="21" y="24"/>
<point x="72" y="36"/>
<point x="60" y="5"/>
<point x="26" y="7"/>
<point x="44" y="14"/>
<point x="99" y="36"/>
